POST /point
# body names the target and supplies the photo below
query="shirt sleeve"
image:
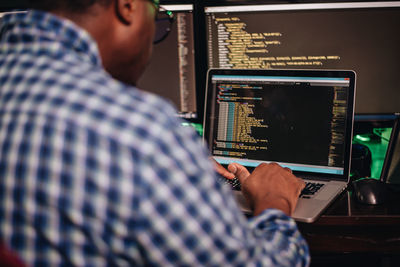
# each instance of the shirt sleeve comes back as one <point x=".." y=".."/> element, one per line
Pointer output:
<point x="185" y="217"/>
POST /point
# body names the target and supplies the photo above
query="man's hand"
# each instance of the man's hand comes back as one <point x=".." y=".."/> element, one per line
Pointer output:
<point x="222" y="171"/>
<point x="269" y="186"/>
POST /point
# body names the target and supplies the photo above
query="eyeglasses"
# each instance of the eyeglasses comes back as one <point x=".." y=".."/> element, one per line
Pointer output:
<point x="164" y="20"/>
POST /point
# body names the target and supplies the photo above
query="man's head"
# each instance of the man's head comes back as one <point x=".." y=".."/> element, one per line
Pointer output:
<point x="123" y="30"/>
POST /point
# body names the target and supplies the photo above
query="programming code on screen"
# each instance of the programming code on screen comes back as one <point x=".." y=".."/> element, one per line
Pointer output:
<point x="280" y="121"/>
<point x="309" y="36"/>
<point x="171" y="72"/>
<point x="240" y="41"/>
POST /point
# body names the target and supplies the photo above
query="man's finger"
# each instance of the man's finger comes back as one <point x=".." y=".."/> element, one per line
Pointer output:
<point x="222" y="171"/>
<point x="240" y="171"/>
<point x="288" y="169"/>
<point x="302" y="185"/>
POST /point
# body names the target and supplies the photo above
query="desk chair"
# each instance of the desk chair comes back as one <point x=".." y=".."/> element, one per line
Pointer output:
<point x="8" y="258"/>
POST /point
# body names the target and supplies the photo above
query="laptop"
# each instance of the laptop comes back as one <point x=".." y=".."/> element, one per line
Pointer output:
<point x="300" y="119"/>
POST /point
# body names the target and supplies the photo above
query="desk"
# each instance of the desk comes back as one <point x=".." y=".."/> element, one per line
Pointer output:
<point x="348" y="228"/>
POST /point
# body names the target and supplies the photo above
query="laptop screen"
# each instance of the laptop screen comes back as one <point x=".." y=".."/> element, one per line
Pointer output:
<point x="299" y="119"/>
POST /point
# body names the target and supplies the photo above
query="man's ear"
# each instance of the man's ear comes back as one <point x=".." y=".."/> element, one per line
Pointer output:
<point x="124" y="10"/>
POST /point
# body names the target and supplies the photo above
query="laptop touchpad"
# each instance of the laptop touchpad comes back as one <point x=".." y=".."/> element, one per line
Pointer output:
<point x="327" y="192"/>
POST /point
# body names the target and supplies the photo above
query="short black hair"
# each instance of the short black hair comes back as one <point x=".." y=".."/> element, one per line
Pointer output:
<point x="69" y="5"/>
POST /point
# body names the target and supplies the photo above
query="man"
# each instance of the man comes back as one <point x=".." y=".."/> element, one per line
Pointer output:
<point x="95" y="172"/>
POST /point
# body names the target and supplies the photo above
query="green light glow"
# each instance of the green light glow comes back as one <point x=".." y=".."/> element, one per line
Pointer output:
<point x="362" y="138"/>
<point x="377" y="146"/>
<point x="197" y="126"/>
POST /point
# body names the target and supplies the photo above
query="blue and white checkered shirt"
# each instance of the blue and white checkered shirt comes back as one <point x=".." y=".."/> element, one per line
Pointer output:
<point x="96" y="173"/>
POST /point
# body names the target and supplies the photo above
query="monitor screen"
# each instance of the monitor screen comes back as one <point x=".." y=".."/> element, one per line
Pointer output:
<point x="362" y="36"/>
<point x="171" y="71"/>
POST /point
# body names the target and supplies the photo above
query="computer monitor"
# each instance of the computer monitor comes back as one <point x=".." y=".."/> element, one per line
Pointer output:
<point x="360" y="36"/>
<point x="171" y="71"/>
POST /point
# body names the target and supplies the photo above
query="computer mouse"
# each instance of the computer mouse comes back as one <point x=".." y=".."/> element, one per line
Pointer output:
<point x="369" y="191"/>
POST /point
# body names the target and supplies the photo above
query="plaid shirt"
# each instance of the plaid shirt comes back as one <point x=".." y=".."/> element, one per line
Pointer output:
<point x="94" y="172"/>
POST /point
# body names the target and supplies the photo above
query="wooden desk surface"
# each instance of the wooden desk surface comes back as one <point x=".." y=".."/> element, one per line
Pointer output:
<point x="350" y="227"/>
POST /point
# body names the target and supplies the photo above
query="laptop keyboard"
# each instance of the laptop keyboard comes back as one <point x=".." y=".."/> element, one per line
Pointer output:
<point x="309" y="190"/>
<point x="233" y="183"/>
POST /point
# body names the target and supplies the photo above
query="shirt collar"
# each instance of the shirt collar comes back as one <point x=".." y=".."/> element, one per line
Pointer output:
<point x="45" y="27"/>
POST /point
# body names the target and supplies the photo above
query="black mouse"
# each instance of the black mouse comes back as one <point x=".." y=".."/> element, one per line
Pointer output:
<point x="369" y="191"/>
